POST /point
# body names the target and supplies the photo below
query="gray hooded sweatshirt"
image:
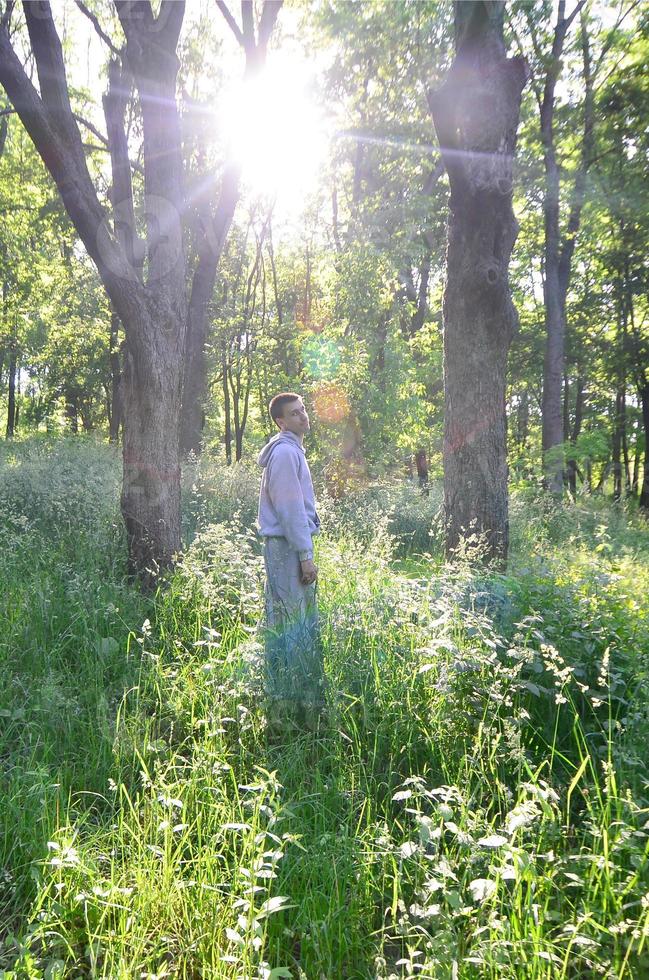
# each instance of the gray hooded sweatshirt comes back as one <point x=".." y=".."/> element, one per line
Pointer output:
<point x="286" y="498"/>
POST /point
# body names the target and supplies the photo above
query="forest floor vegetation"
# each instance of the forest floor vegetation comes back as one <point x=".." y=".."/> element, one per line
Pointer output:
<point x="476" y="803"/>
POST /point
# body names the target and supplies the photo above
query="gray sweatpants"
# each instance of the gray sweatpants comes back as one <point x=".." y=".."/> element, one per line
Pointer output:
<point x="292" y="635"/>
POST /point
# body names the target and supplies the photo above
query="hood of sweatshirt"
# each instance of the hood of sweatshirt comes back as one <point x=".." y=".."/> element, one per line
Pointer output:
<point x="285" y="437"/>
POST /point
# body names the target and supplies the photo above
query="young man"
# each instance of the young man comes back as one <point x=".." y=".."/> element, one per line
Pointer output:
<point x="287" y="522"/>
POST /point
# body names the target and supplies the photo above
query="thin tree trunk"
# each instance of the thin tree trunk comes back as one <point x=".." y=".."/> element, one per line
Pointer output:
<point x="606" y="469"/>
<point x="571" y="463"/>
<point x="212" y="242"/>
<point x="478" y="145"/>
<point x="636" y="466"/>
<point x="195" y="372"/>
<point x="644" y="493"/>
<point x="71" y="410"/>
<point x="235" y="391"/>
<point x="523" y="419"/>
<point x="227" y="410"/>
<point x="625" y="449"/>
<point x="617" y="444"/>
<point x="558" y="254"/>
<point x="421" y="463"/>
<point x="11" y="401"/>
<point x="86" y="415"/>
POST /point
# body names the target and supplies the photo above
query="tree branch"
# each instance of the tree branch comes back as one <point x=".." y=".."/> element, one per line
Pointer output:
<point x="170" y="21"/>
<point x="115" y="100"/>
<point x="97" y="26"/>
<point x="6" y="16"/>
<point x="569" y="19"/>
<point x="248" y="25"/>
<point x="267" y="21"/>
<point x="231" y="22"/>
<point x="89" y="126"/>
<point x="50" y="66"/>
<point x="70" y="173"/>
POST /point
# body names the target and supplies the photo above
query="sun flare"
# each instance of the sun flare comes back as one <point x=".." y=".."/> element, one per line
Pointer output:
<point x="274" y="128"/>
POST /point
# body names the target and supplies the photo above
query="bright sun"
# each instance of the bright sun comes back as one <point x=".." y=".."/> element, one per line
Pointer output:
<point x="273" y="126"/>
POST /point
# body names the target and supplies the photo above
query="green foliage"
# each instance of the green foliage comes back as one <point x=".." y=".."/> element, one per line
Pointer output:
<point x="474" y="805"/>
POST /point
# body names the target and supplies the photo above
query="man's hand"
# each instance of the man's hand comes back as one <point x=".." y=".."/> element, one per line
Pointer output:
<point x="309" y="571"/>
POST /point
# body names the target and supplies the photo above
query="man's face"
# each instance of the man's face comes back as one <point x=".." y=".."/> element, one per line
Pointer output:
<point x="295" y="418"/>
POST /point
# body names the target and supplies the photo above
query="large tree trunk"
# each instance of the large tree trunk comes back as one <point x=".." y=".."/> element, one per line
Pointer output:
<point x="153" y="370"/>
<point x="147" y="288"/>
<point x="151" y="487"/>
<point x="476" y="115"/>
<point x="115" y="415"/>
<point x="153" y="314"/>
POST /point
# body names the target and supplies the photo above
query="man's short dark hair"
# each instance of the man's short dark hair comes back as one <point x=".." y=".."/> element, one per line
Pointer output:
<point x="277" y="403"/>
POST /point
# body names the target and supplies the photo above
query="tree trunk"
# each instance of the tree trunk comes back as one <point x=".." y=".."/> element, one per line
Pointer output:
<point x="153" y="313"/>
<point x="151" y="486"/>
<point x="644" y="493"/>
<point x="476" y="115"/>
<point x="625" y="449"/>
<point x="212" y="242"/>
<point x="421" y="463"/>
<point x="155" y="331"/>
<point x="523" y="419"/>
<point x="558" y="253"/>
<point x="195" y="373"/>
<point x="617" y="444"/>
<point x="11" y="401"/>
<point x="86" y="414"/>
<point x="226" y="405"/>
<point x="552" y="416"/>
<point x="636" y="466"/>
<point x="71" y="412"/>
<point x="115" y="416"/>
<point x="571" y="463"/>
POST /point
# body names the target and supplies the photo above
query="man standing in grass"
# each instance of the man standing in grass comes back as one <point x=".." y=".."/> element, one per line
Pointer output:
<point x="287" y="522"/>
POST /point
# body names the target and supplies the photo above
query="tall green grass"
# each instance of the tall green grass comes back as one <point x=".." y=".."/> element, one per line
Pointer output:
<point x="474" y="806"/>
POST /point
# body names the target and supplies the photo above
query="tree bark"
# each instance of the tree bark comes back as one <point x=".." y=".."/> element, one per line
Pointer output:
<point x="11" y="400"/>
<point x="636" y="466"/>
<point x="195" y="372"/>
<point x="617" y="444"/>
<point x="153" y="314"/>
<point x="227" y="435"/>
<point x="571" y="463"/>
<point x="146" y="283"/>
<point x="476" y="115"/>
<point x="71" y="411"/>
<point x="115" y="398"/>
<point x="557" y="253"/>
<point x="421" y="462"/>
<point x="644" y="493"/>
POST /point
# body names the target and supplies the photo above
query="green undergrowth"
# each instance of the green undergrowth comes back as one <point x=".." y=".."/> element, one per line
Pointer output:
<point x="475" y="805"/>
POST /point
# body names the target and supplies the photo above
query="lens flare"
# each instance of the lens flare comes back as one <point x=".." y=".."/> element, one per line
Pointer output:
<point x="331" y="404"/>
<point x="321" y="358"/>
